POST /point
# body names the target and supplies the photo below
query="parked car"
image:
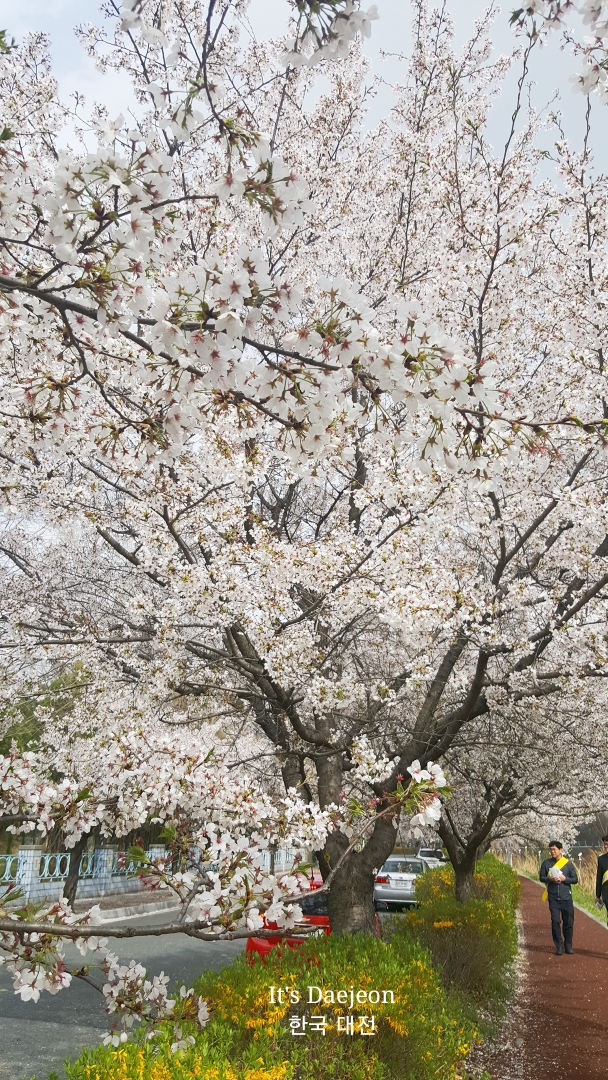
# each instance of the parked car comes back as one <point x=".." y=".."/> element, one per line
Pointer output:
<point x="432" y="856"/>
<point x="395" y="884"/>
<point x="314" y="910"/>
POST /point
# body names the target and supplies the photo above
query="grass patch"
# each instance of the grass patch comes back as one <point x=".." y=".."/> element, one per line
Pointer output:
<point x="586" y="900"/>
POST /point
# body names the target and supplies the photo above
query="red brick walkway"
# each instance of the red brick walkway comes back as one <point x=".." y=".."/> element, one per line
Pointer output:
<point x="559" y="1024"/>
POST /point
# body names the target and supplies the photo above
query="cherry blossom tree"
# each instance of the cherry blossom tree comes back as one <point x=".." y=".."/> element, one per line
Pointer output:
<point x="85" y="237"/>
<point x="303" y="452"/>
<point x="523" y="770"/>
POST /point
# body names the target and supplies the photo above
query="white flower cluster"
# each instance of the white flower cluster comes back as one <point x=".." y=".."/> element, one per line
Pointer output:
<point x="368" y="765"/>
<point x="159" y="777"/>
<point x="421" y="368"/>
<point x="592" y="76"/>
<point x="194" y="323"/>
<point x="27" y="795"/>
<point x="36" y="960"/>
<point x="430" y="811"/>
<point x="135" y="339"/>
<point x="132" y="998"/>
<point x="280" y="193"/>
<point x="331" y="36"/>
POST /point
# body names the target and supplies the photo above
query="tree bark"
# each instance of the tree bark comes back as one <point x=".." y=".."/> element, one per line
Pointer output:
<point x="463" y="857"/>
<point x="464" y="870"/>
<point x="351" y="894"/>
<point x="71" y="882"/>
<point x="351" y="900"/>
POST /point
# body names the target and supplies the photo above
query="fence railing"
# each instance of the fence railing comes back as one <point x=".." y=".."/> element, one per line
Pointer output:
<point x="8" y="868"/>
<point x="54" y="867"/>
<point x="40" y="875"/>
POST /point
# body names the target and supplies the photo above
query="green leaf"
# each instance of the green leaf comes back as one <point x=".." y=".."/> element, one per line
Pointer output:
<point x="515" y="16"/>
<point x="6" y="133"/>
<point x="137" y="854"/>
<point x="6" y="46"/>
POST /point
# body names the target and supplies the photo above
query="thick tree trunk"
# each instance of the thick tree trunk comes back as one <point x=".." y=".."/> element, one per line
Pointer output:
<point x="351" y="894"/>
<point x="351" y="900"/>
<point x="71" y="882"/>
<point x="464" y="870"/>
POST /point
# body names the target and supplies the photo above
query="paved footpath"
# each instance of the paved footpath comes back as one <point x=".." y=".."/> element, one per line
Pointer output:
<point x="559" y="1024"/>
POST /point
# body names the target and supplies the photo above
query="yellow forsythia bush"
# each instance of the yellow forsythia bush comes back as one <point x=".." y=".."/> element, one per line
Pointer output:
<point x="132" y="1063"/>
<point x="474" y="944"/>
<point x="419" y="1030"/>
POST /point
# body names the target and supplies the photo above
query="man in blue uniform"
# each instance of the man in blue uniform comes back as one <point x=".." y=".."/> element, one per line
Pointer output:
<point x="558" y="876"/>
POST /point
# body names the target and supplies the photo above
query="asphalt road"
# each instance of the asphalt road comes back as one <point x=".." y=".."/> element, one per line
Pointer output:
<point x="36" y="1038"/>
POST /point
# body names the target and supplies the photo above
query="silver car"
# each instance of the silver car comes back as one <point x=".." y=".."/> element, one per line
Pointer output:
<point x="394" y="886"/>
<point x="432" y="857"/>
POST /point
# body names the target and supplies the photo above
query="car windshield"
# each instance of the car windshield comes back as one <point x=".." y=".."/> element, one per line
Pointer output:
<point x="404" y="866"/>
<point x="430" y="853"/>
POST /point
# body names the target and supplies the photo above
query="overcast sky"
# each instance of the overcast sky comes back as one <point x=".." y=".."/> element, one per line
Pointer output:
<point x="391" y="33"/>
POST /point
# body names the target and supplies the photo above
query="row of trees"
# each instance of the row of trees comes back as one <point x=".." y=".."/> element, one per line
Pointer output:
<point x="303" y="462"/>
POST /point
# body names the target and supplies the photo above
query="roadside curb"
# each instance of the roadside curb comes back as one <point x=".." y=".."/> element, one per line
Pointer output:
<point x="133" y="911"/>
<point x="595" y="918"/>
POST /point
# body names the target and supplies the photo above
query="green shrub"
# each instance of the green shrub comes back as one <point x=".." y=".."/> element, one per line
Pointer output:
<point x="472" y="945"/>
<point x="423" y="1035"/>
<point x="493" y="881"/>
